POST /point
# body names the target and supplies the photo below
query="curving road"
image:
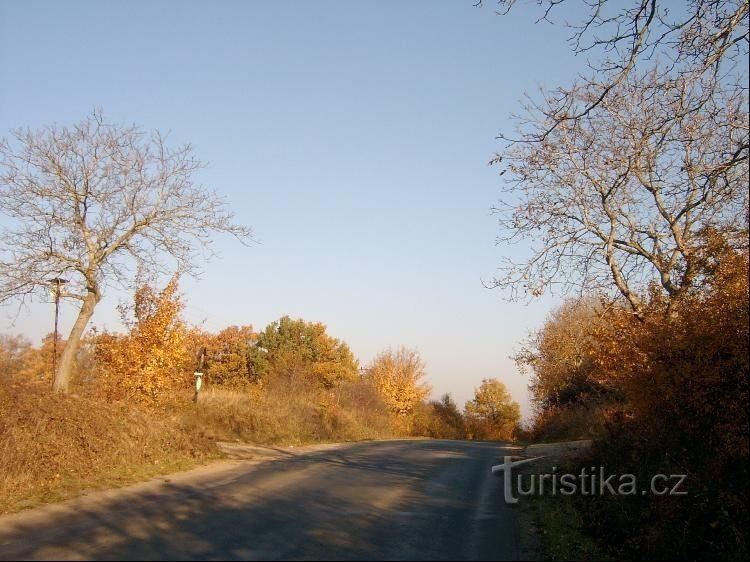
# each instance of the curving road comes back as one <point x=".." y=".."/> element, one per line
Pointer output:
<point x="405" y="500"/>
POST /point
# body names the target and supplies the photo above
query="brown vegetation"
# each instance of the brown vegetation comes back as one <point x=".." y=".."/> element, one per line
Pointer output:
<point x="663" y="393"/>
<point x="492" y="414"/>
<point x="56" y="446"/>
<point x="133" y="414"/>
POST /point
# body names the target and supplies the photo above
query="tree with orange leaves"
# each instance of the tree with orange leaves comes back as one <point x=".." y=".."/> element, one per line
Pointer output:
<point x="398" y="377"/>
<point x="154" y="358"/>
<point x="492" y="413"/>
<point x="227" y="360"/>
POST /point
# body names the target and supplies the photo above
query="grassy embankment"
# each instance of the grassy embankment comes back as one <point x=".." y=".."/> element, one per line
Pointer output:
<point x="56" y="447"/>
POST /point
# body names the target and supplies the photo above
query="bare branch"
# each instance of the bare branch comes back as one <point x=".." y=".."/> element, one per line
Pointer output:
<point x="707" y="39"/>
<point x="620" y="198"/>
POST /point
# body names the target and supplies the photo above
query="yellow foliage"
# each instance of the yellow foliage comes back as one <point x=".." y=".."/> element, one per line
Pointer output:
<point x="397" y="376"/>
<point x="492" y="413"/>
<point x="154" y="358"/>
<point x="227" y="362"/>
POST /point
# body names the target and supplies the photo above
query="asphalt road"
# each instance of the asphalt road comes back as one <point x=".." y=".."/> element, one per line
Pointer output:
<point x="405" y="500"/>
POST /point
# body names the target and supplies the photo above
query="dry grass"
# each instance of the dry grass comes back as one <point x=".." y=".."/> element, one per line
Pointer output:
<point x="55" y="447"/>
<point x="58" y="446"/>
<point x="289" y="413"/>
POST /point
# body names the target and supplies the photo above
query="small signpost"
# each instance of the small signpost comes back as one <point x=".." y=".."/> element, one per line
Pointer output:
<point x="198" y="374"/>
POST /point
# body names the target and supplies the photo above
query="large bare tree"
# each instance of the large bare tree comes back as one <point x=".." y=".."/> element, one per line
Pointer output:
<point x="623" y="195"/>
<point x="95" y="203"/>
<point x="614" y="179"/>
<point x="705" y="39"/>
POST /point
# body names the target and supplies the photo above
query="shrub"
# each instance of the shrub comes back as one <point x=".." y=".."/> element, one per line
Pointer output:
<point x="153" y="360"/>
<point x="684" y="371"/>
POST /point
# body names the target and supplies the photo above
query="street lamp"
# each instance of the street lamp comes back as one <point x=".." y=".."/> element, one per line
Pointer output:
<point x="56" y="283"/>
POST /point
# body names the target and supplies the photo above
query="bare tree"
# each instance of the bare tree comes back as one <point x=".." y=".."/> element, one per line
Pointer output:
<point x="706" y="39"/>
<point x="614" y="178"/>
<point x="95" y="203"/>
<point x="623" y="194"/>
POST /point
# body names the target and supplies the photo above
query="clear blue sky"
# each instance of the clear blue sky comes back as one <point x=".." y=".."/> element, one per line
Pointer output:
<point x="352" y="136"/>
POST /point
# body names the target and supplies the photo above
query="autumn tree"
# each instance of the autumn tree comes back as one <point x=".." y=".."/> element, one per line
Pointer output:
<point x="492" y="413"/>
<point x="287" y="347"/>
<point x="685" y="378"/>
<point x="227" y="355"/>
<point x="613" y="179"/>
<point x="632" y="180"/>
<point x="154" y="358"/>
<point x="18" y="357"/>
<point x="562" y="356"/>
<point x="446" y="422"/>
<point x="448" y="410"/>
<point x="398" y="375"/>
<point x="94" y="203"/>
<point x="14" y="354"/>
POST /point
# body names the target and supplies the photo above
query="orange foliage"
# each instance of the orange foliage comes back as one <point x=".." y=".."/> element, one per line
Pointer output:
<point x="562" y="357"/>
<point x="397" y="376"/>
<point x="19" y="357"/>
<point x="683" y="368"/>
<point x="663" y="392"/>
<point x="227" y="361"/>
<point x="492" y="413"/>
<point x="154" y="358"/>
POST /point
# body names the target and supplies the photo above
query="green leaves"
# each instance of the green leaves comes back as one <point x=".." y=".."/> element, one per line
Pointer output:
<point x="290" y="347"/>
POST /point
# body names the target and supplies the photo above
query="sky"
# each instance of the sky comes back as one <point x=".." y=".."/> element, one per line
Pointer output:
<point x="353" y="137"/>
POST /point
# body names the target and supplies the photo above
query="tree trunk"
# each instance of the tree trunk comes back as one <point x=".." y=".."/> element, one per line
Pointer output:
<point x="65" y="368"/>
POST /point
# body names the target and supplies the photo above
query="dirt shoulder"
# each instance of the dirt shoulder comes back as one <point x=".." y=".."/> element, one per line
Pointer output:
<point x="534" y="530"/>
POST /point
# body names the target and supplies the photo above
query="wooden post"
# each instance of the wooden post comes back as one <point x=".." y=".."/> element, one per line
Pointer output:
<point x="198" y="374"/>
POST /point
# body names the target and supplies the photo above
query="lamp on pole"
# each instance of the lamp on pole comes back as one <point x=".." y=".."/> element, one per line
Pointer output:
<point x="56" y="283"/>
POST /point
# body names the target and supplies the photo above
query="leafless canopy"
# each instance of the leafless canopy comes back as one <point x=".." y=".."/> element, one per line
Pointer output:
<point x="707" y="39"/>
<point x="612" y="180"/>
<point x="96" y="201"/>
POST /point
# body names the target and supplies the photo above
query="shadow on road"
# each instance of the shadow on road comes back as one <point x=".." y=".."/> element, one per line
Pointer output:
<point x="395" y="500"/>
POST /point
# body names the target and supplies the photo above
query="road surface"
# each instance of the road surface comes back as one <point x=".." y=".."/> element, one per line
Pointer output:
<point x="405" y="500"/>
